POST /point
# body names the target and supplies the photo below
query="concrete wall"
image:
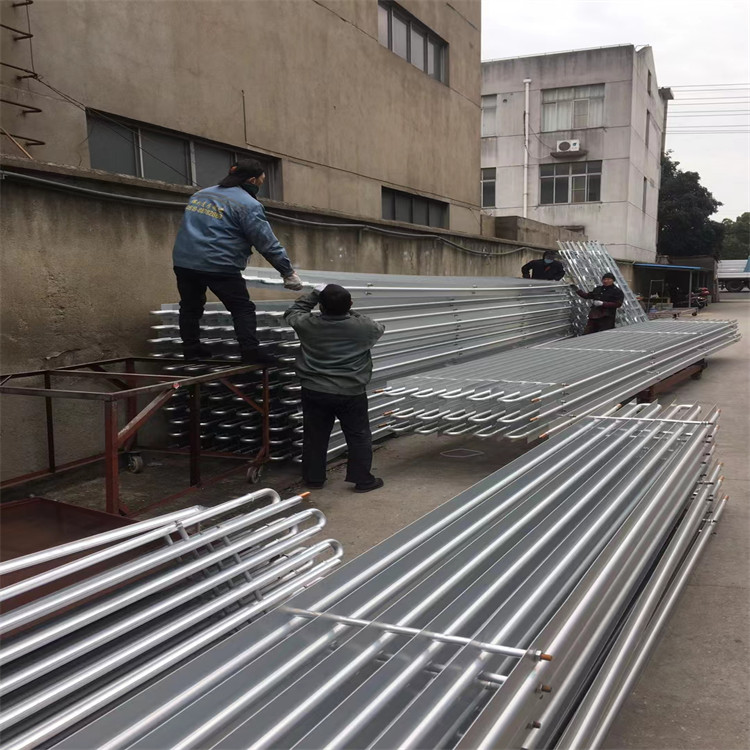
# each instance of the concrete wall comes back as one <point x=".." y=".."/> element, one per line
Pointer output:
<point x="343" y="113"/>
<point x="80" y="274"/>
<point x="617" y="219"/>
<point x="533" y="232"/>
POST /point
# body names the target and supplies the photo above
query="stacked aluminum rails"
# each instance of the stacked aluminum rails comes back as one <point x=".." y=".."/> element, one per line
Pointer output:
<point x="530" y="393"/>
<point x="574" y="552"/>
<point x="137" y="601"/>
<point x="430" y="322"/>
<point x="228" y="424"/>
<point x="585" y="264"/>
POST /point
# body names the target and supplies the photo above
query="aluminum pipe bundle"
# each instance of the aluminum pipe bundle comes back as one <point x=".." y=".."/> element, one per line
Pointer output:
<point x="79" y="636"/>
<point x="489" y="622"/>
<point x="430" y="322"/>
<point x="532" y="392"/>
<point x="585" y="264"/>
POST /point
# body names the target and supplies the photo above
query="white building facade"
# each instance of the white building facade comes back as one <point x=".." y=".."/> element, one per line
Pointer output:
<point x="574" y="139"/>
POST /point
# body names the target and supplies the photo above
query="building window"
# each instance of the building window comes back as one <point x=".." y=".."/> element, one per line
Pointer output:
<point x="488" y="187"/>
<point x="414" y="209"/>
<point x="648" y="83"/>
<point x="645" y="195"/>
<point x="573" y="108"/>
<point x="489" y="115"/>
<point x="570" y="182"/>
<point x="412" y="40"/>
<point x="648" y="127"/>
<point x="126" y="147"/>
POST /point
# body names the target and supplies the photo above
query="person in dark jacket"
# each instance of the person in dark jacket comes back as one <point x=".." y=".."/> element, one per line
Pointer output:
<point x="334" y="367"/>
<point x="220" y="227"/>
<point x="606" y="299"/>
<point x="547" y="268"/>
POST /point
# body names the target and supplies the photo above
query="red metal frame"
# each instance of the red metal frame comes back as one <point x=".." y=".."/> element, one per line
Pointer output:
<point x="160" y="387"/>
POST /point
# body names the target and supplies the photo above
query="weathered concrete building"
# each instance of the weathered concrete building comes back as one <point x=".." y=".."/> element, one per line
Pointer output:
<point x="574" y="139"/>
<point x="350" y="103"/>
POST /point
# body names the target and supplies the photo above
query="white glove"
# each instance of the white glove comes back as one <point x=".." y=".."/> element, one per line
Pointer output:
<point x="320" y="287"/>
<point x="597" y="303"/>
<point x="293" y="282"/>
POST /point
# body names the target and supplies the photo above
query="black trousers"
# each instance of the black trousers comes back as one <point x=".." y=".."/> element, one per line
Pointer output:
<point x="594" y="325"/>
<point x="231" y="289"/>
<point x="319" y="411"/>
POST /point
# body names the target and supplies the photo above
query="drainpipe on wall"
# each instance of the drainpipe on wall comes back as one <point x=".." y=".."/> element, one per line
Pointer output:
<point x="526" y="82"/>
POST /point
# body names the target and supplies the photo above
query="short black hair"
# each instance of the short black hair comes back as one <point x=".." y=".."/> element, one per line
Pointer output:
<point x="335" y="300"/>
<point x="549" y="254"/>
<point x="608" y="276"/>
<point x="242" y="170"/>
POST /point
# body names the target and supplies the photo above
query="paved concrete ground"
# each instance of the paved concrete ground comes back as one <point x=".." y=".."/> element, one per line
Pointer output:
<point x="694" y="692"/>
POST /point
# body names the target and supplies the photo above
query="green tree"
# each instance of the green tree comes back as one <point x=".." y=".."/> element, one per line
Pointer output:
<point x="684" y="210"/>
<point x="736" y="242"/>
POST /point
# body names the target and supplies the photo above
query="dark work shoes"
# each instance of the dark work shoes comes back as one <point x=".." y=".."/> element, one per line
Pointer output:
<point x="259" y="357"/>
<point x="376" y="484"/>
<point x="314" y="485"/>
<point x="196" y="353"/>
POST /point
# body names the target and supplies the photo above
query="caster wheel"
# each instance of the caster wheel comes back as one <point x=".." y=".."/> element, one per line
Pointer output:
<point x="136" y="464"/>
<point x="254" y="474"/>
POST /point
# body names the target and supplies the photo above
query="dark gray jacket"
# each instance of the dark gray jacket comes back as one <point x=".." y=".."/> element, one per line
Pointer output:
<point x="334" y="354"/>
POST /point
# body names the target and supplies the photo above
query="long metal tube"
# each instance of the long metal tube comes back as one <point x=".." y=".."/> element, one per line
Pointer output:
<point x="128" y="624"/>
<point x="145" y="723"/>
<point x="666" y="605"/>
<point x="601" y="594"/>
<point x="72" y="594"/>
<point x="111" y="661"/>
<point x="587" y="518"/>
<point x="645" y="546"/>
<point x="98" y="540"/>
<point x="431" y="595"/>
<point x="580" y="729"/>
<point x="364" y="713"/>
<point x="74" y="713"/>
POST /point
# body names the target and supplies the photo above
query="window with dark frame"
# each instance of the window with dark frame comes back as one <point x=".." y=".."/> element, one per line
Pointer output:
<point x="570" y="182"/>
<point x="488" y="187"/>
<point x="413" y="209"/>
<point x="126" y="147"/>
<point x="408" y="38"/>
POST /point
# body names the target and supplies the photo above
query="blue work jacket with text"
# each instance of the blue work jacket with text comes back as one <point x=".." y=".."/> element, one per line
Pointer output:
<point x="219" y="229"/>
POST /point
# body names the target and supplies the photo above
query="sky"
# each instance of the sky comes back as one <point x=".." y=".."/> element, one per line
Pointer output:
<point x="701" y="45"/>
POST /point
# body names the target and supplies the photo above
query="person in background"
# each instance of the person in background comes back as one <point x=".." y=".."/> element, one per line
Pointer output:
<point x="547" y="268"/>
<point x="220" y="227"/>
<point x="606" y="299"/>
<point x="334" y="367"/>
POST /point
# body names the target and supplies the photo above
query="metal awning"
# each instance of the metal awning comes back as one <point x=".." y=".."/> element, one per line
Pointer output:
<point x="670" y="267"/>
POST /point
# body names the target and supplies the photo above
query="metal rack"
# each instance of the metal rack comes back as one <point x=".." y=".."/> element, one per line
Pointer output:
<point x="130" y="385"/>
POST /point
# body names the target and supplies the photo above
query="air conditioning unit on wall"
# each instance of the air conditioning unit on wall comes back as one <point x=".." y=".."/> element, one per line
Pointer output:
<point x="568" y="146"/>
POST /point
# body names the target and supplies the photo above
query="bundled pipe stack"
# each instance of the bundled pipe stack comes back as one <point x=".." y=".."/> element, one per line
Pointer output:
<point x="430" y="322"/>
<point x="585" y="264"/>
<point x="518" y="614"/>
<point x="532" y="392"/>
<point x="87" y="623"/>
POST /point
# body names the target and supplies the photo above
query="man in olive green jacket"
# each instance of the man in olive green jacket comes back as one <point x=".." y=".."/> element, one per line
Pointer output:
<point x="334" y="367"/>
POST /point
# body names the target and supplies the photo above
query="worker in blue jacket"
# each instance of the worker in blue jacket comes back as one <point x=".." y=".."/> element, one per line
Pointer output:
<point x="220" y="227"/>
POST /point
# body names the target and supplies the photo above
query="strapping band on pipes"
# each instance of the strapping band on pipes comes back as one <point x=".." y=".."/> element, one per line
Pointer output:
<point x="517" y="614"/>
